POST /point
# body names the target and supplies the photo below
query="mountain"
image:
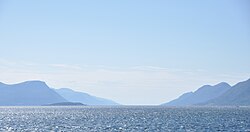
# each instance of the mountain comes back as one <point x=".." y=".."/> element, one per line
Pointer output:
<point x="84" y="98"/>
<point x="239" y="94"/>
<point x="30" y="93"/>
<point x="203" y="94"/>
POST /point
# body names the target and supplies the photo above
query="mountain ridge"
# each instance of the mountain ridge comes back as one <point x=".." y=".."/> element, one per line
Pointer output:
<point x="221" y="94"/>
<point x="28" y="93"/>
<point x="239" y="94"/>
<point x="202" y="94"/>
<point x="37" y="93"/>
<point x="85" y="98"/>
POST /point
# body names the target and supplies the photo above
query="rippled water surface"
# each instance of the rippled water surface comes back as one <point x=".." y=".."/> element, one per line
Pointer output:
<point x="124" y="118"/>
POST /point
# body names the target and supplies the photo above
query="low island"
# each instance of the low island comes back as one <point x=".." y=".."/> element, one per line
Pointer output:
<point x="66" y="104"/>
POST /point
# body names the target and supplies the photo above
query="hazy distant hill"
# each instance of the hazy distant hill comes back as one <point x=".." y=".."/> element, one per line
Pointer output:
<point x="84" y="98"/>
<point x="239" y="94"/>
<point x="30" y="93"/>
<point x="203" y="94"/>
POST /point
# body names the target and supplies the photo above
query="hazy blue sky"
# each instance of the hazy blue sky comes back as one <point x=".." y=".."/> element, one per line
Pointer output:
<point x="133" y="51"/>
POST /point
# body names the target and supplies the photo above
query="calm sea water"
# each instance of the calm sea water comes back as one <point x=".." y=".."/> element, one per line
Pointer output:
<point x="126" y="118"/>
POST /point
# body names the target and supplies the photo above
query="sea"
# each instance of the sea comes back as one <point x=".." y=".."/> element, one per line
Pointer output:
<point x="124" y="118"/>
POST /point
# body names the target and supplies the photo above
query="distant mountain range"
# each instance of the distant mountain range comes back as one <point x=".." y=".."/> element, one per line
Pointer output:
<point x="218" y="95"/>
<point x="74" y="96"/>
<point x="37" y="93"/>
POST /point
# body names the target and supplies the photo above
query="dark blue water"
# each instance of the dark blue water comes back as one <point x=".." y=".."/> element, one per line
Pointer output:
<point x="125" y="118"/>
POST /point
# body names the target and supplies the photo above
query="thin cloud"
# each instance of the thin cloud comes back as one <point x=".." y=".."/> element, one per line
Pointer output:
<point x="65" y="66"/>
<point x="149" y="68"/>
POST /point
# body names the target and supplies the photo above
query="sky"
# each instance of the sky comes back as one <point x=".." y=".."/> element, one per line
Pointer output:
<point x="135" y="52"/>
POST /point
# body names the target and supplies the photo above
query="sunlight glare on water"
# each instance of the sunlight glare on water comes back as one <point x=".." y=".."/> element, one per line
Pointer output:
<point x="125" y="118"/>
